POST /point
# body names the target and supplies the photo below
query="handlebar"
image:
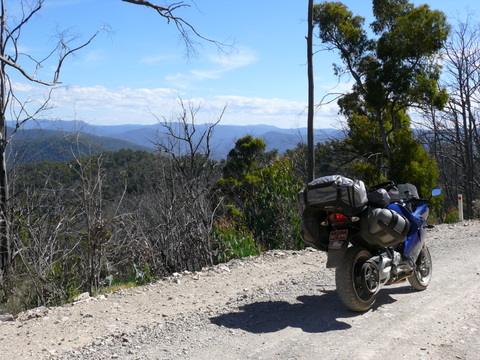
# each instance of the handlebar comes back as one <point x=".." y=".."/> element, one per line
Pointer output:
<point x="412" y="199"/>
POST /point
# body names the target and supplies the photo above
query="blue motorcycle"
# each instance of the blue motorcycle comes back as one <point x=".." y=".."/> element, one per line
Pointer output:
<point x="372" y="238"/>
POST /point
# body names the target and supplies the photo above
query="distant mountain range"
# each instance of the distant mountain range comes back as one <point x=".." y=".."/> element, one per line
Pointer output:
<point x="50" y="140"/>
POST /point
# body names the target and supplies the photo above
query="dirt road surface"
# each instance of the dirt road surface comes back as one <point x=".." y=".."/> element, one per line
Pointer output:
<point x="280" y="305"/>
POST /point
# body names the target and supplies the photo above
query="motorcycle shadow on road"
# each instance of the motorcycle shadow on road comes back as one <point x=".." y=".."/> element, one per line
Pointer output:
<point x="312" y="313"/>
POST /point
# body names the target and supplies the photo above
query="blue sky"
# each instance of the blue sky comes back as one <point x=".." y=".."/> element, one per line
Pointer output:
<point x="137" y="70"/>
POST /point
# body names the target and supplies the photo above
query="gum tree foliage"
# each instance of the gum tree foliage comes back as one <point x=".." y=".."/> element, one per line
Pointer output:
<point x="393" y="71"/>
<point x="243" y="158"/>
<point x="239" y="178"/>
<point x="260" y="189"/>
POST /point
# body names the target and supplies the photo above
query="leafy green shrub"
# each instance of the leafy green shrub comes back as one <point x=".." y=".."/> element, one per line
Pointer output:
<point x="450" y="216"/>
<point x="271" y="211"/>
<point x="262" y="196"/>
<point x="232" y="240"/>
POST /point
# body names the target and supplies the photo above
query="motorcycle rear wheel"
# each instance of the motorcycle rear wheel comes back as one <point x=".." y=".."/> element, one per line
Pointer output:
<point x="352" y="287"/>
<point x="422" y="274"/>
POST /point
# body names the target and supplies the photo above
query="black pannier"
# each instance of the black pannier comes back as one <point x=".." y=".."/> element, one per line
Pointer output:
<point x="311" y="231"/>
<point x="382" y="227"/>
<point x="335" y="193"/>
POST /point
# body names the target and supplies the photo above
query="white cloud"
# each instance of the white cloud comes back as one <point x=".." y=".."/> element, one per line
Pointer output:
<point x="218" y="65"/>
<point x="261" y="106"/>
<point x="99" y="104"/>
<point x="242" y="57"/>
<point x="102" y="105"/>
<point x="100" y="96"/>
<point x="24" y="87"/>
<point x="93" y="57"/>
<point x="283" y="113"/>
<point x="155" y="59"/>
<point x="200" y="75"/>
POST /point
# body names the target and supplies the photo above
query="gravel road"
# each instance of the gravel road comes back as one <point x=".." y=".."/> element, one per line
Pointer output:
<point x="280" y="305"/>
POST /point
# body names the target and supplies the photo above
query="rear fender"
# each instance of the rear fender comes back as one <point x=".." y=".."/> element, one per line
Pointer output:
<point x="335" y="254"/>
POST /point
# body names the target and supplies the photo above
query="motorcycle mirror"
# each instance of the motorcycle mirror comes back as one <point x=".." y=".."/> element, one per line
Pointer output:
<point x="436" y="192"/>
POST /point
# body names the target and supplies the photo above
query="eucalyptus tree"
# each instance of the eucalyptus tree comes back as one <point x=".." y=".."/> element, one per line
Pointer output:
<point x="393" y="68"/>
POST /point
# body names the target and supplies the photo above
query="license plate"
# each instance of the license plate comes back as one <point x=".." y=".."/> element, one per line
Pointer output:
<point x="337" y="237"/>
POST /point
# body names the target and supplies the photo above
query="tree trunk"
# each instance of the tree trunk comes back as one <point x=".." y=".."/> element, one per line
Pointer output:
<point x="310" y="135"/>
<point x="5" y="245"/>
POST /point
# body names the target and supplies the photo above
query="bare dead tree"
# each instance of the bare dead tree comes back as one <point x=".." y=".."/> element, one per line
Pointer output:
<point x="187" y="144"/>
<point x="46" y="244"/>
<point x="12" y="59"/>
<point x="184" y="27"/>
<point x="456" y="134"/>
<point x="182" y="206"/>
<point x="96" y="230"/>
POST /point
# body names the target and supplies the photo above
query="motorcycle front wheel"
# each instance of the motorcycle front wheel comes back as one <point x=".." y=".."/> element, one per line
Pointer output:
<point x="356" y="282"/>
<point x="422" y="273"/>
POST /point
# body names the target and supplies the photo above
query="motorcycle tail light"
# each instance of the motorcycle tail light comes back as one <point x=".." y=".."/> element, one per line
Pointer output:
<point x="338" y="218"/>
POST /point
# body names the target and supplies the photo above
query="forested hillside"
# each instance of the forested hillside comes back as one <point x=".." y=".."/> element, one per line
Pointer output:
<point x="143" y="137"/>
<point x="30" y="145"/>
